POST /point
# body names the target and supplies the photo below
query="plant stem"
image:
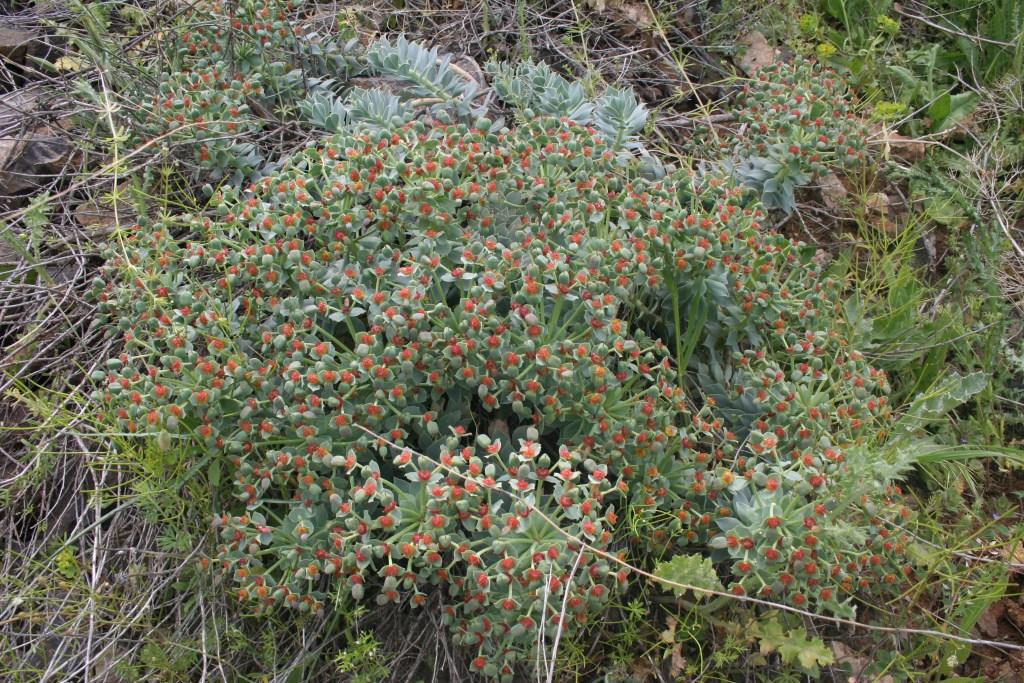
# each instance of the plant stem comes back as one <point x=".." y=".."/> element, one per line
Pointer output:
<point x="677" y="322"/>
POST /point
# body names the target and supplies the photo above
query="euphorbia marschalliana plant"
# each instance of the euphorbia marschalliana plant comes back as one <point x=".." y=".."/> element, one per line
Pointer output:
<point x="417" y="346"/>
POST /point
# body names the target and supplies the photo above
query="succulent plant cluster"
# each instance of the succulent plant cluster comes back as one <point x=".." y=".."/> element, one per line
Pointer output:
<point x="448" y="354"/>
<point x="235" y="62"/>
<point x="806" y="106"/>
<point x="797" y="122"/>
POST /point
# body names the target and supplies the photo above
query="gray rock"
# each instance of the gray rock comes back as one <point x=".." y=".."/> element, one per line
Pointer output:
<point x="14" y="41"/>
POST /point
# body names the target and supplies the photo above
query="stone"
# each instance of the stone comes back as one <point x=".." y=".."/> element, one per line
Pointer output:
<point x="758" y="52"/>
<point x="14" y="42"/>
